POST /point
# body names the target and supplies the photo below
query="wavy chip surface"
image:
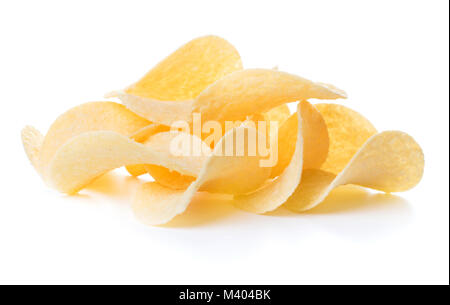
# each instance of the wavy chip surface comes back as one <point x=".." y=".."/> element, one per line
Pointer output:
<point x="390" y="161"/>
<point x="310" y="153"/>
<point x="91" y="139"/>
<point x="233" y="97"/>
<point x="156" y="205"/>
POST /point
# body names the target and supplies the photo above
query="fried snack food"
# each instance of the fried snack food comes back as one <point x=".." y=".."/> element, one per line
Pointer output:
<point x="250" y="146"/>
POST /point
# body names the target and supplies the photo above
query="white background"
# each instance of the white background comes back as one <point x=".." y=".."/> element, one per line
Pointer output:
<point x="390" y="56"/>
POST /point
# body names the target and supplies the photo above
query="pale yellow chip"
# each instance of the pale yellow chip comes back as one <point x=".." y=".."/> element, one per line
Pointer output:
<point x="276" y="192"/>
<point x="32" y="141"/>
<point x="141" y="136"/>
<point x="348" y="131"/>
<point x="155" y="204"/>
<point x="233" y="97"/>
<point x="315" y="140"/>
<point x="92" y="116"/>
<point x="168" y="178"/>
<point x="390" y="161"/>
<point x="92" y="139"/>
<point x="91" y="154"/>
<point x="177" y="181"/>
<point x="162" y="175"/>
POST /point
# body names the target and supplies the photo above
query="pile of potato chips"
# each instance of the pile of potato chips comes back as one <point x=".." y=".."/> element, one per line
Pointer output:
<point x="318" y="148"/>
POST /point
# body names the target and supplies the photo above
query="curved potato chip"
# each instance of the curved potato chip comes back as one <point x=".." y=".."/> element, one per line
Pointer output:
<point x="277" y="191"/>
<point x="177" y="181"/>
<point x="390" y="161"/>
<point x="168" y="178"/>
<point x="348" y="131"/>
<point x="141" y="136"/>
<point x="162" y="175"/>
<point x="255" y="91"/>
<point x="189" y="70"/>
<point x="92" y="116"/>
<point x="86" y="140"/>
<point x="233" y="97"/>
<point x="89" y="155"/>
<point x="315" y="141"/>
<point x="278" y="114"/>
<point x="155" y="204"/>
<point x="32" y="141"/>
<point x="181" y="77"/>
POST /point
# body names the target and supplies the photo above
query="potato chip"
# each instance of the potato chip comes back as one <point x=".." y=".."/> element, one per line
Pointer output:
<point x="181" y="77"/>
<point x="32" y="141"/>
<point x="277" y="191"/>
<point x="348" y="131"/>
<point x="88" y="117"/>
<point x="318" y="148"/>
<point x="278" y="114"/>
<point x="189" y="70"/>
<point x="233" y="97"/>
<point x="89" y="155"/>
<point x="256" y="91"/>
<point x="155" y="204"/>
<point x="177" y="181"/>
<point x="390" y="161"/>
<point x="168" y="178"/>
<point x="162" y="175"/>
<point x="86" y="140"/>
<point x="315" y="141"/>
<point x="141" y="136"/>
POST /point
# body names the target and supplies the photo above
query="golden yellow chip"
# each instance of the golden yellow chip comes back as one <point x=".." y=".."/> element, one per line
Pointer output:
<point x="315" y="141"/>
<point x="141" y="136"/>
<point x="278" y="114"/>
<point x="312" y="152"/>
<point x="390" y="161"/>
<point x="181" y="77"/>
<point x="277" y="191"/>
<point x="348" y="131"/>
<point x="189" y="70"/>
<point x="168" y="178"/>
<point x="233" y="97"/>
<point x="155" y="204"/>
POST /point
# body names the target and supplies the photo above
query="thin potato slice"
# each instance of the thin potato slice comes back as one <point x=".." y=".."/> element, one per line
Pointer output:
<point x="315" y="140"/>
<point x="348" y="131"/>
<point x="141" y="136"/>
<point x="177" y="181"/>
<point x="93" y="138"/>
<point x="390" y="161"/>
<point x="170" y="86"/>
<point x="32" y="141"/>
<point x="277" y="191"/>
<point x="92" y="116"/>
<point x="233" y="97"/>
<point x="89" y="155"/>
<point x="189" y="70"/>
<point x="256" y="91"/>
<point x="168" y="178"/>
<point x="155" y="204"/>
<point x="182" y="76"/>
<point x="278" y="114"/>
